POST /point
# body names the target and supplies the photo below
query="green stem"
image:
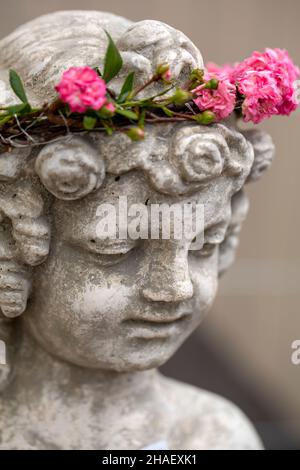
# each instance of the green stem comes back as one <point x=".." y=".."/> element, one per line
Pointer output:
<point x="138" y="90"/>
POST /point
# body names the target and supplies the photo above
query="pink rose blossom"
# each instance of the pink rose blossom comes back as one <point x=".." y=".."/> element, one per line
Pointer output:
<point x="82" y="88"/>
<point x="220" y="101"/>
<point x="267" y="82"/>
<point x="261" y="96"/>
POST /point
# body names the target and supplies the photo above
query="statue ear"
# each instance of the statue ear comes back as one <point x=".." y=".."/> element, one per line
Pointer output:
<point x="264" y="150"/>
<point x="24" y="242"/>
<point x="22" y="205"/>
<point x="15" y="282"/>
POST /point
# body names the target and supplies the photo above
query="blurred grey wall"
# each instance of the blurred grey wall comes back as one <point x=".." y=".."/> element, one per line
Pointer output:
<point x="256" y="316"/>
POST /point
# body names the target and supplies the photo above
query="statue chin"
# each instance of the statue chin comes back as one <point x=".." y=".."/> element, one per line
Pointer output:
<point x="86" y="320"/>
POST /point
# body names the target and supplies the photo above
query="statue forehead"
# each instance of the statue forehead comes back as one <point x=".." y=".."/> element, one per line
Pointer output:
<point x="79" y="219"/>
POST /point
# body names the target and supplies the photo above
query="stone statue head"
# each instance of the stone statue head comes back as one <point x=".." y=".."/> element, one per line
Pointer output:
<point x="114" y="304"/>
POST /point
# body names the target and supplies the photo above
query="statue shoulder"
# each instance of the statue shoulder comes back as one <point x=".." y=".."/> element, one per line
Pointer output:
<point x="208" y="421"/>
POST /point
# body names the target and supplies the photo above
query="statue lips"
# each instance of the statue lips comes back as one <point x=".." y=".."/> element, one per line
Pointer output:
<point x="157" y="327"/>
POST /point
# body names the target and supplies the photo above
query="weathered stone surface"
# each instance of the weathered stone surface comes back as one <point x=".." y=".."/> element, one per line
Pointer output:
<point x="98" y="317"/>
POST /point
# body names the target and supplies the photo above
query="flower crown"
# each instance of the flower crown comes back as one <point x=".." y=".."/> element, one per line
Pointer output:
<point x="257" y="88"/>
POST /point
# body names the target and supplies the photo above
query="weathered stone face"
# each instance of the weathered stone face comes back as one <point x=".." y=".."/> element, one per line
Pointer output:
<point x="109" y="304"/>
<point x="124" y="304"/>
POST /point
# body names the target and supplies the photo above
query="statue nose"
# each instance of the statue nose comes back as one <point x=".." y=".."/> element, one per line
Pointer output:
<point x="168" y="278"/>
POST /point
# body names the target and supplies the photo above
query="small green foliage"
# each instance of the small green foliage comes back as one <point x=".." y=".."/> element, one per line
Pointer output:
<point x="17" y="86"/>
<point x="197" y="74"/>
<point x="127" y="113"/>
<point x="19" y="109"/>
<point x="126" y="88"/>
<point x="89" y="122"/>
<point x="113" y="61"/>
<point x="212" y="84"/>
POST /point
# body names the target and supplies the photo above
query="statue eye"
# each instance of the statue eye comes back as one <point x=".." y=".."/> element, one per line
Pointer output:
<point x="112" y="258"/>
<point x="207" y="250"/>
<point x="112" y="254"/>
<point x="103" y="254"/>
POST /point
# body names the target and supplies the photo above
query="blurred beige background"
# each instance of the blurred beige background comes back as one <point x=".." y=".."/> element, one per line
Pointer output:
<point x="256" y="316"/>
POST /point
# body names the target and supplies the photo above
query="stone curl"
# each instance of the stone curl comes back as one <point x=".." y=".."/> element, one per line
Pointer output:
<point x="149" y="43"/>
<point x="180" y="160"/>
<point x="70" y="169"/>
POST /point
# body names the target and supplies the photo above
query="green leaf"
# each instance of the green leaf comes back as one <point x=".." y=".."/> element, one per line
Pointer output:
<point x="126" y="88"/>
<point x="127" y="113"/>
<point x="17" y="86"/>
<point x="89" y="122"/>
<point x="113" y="61"/>
<point x="5" y="119"/>
<point x="23" y="108"/>
<point x="142" y="117"/>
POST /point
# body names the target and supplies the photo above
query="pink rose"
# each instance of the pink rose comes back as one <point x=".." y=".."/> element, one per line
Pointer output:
<point x="267" y="82"/>
<point x="220" y="101"/>
<point x="82" y="88"/>
<point x="262" y="96"/>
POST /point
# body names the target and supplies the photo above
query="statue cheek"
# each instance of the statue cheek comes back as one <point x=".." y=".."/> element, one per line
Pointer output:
<point x="105" y="304"/>
<point x="205" y="281"/>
